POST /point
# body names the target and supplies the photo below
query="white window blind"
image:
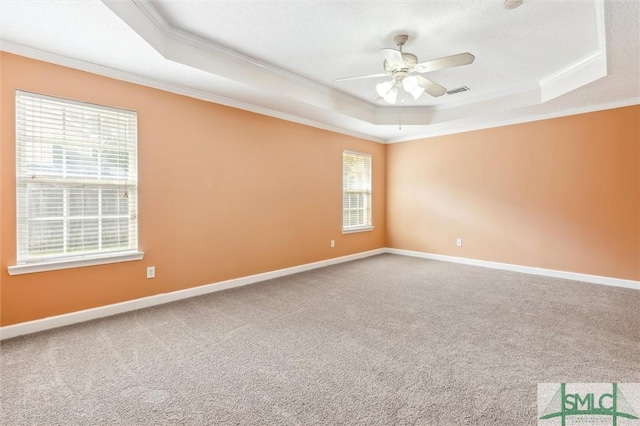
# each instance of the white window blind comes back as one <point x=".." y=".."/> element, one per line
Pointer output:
<point x="76" y="177"/>
<point x="356" y="191"/>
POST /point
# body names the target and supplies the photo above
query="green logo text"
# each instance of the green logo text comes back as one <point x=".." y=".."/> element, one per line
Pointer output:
<point x="612" y="404"/>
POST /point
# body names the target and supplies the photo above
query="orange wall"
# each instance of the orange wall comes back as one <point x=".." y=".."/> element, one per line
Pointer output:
<point x="560" y="194"/>
<point x="223" y="193"/>
<point x="218" y="189"/>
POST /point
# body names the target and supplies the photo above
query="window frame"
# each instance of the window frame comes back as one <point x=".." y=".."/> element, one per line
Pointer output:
<point x="367" y="191"/>
<point x="69" y="182"/>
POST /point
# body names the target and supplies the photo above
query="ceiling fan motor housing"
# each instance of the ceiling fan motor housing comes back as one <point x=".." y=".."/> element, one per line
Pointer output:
<point x="410" y="61"/>
<point x="400" y="75"/>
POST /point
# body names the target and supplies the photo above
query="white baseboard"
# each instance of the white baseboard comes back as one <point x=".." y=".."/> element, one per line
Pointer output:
<point x="594" y="279"/>
<point x="35" y="326"/>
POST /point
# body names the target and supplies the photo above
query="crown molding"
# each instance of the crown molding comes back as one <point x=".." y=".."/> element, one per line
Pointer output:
<point x="189" y="49"/>
<point x="209" y="97"/>
<point x="53" y="58"/>
<point x="462" y="127"/>
<point x="293" y="98"/>
<point x="192" y="50"/>
<point x="469" y="127"/>
<point x="583" y="71"/>
<point x="221" y="52"/>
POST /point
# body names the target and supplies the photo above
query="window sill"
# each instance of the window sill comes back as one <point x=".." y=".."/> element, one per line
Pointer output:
<point x="30" y="268"/>
<point x="360" y="229"/>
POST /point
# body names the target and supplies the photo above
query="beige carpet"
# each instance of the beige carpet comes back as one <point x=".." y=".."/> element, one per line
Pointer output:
<point x="383" y="340"/>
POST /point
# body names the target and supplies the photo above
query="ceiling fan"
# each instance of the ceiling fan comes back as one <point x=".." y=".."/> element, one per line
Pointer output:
<point x="400" y="66"/>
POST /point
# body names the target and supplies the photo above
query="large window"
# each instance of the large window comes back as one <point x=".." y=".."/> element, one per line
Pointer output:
<point x="356" y="192"/>
<point x="76" y="176"/>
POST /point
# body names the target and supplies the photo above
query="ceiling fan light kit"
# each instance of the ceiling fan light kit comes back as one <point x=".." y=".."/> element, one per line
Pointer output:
<point x="400" y="66"/>
<point x="383" y="88"/>
<point x="412" y="85"/>
<point x="388" y="91"/>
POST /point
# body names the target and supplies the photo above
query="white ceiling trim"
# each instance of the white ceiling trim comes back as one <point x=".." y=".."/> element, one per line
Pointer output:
<point x="53" y="58"/>
<point x="194" y="51"/>
<point x="582" y="72"/>
<point x="221" y="51"/>
<point x="287" y="96"/>
<point x="191" y="50"/>
<point x="469" y="127"/>
<point x="495" y="102"/>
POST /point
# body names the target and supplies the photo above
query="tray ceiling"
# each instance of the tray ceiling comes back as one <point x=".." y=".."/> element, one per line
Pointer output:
<point x="545" y="58"/>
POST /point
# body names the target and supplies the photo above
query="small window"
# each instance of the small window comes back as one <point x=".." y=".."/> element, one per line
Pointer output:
<point x="76" y="176"/>
<point x="356" y="192"/>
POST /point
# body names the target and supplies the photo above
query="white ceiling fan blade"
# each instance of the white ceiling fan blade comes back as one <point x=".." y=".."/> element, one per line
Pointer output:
<point x="430" y="87"/>
<point x="393" y="57"/>
<point x="446" y="62"/>
<point x="416" y="85"/>
<point x="384" y="74"/>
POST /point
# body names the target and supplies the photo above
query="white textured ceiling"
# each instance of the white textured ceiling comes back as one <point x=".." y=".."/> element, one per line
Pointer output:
<point x="545" y="58"/>
<point x="323" y="41"/>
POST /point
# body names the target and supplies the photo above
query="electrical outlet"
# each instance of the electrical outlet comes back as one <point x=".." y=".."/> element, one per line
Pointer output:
<point x="151" y="272"/>
<point x="459" y="242"/>
<point x="333" y="243"/>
